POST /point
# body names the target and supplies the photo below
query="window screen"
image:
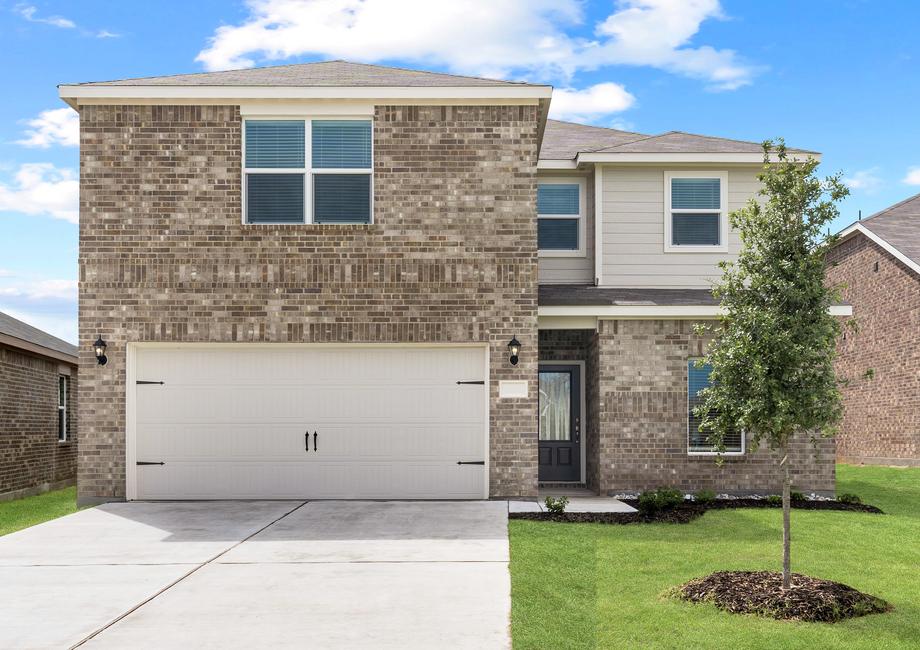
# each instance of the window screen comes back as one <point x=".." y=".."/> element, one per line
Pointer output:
<point x="696" y="211"/>
<point x="697" y="380"/>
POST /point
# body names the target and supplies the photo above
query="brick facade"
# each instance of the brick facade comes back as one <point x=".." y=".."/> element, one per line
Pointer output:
<point x="451" y="256"/>
<point x="881" y="421"/>
<point x="636" y="428"/>
<point x="31" y="458"/>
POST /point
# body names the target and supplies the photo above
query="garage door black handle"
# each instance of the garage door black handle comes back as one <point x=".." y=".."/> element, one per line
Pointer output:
<point x="314" y="440"/>
<point x="306" y="441"/>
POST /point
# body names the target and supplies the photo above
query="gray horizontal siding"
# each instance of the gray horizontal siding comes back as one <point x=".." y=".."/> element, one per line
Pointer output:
<point x="633" y="230"/>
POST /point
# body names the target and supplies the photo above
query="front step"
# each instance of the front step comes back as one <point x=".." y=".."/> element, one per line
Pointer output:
<point x="561" y="485"/>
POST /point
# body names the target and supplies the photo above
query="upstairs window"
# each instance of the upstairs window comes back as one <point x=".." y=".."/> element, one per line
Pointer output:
<point x="695" y="215"/>
<point x="698" y="441"/>
<point x="560" y="217"/>
<point x="308" y="171"/>
<point x="63" y="433"/>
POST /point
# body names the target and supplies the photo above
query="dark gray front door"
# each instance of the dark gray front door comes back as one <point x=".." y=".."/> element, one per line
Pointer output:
<point x="559" y="442"/>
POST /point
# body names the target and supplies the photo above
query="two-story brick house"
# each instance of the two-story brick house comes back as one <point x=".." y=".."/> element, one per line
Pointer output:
<point x="876" y="264"/>
<point x="336" y="280"/>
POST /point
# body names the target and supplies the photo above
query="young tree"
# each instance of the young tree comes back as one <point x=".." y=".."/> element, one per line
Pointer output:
<point x="772" y="357"/>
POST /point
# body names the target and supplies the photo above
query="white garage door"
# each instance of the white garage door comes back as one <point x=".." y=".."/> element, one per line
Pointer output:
<point x="254" y="422"/>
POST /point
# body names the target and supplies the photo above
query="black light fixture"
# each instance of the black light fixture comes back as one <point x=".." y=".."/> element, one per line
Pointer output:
<point x="514" y="346"/>
<point x="99" y="348"/>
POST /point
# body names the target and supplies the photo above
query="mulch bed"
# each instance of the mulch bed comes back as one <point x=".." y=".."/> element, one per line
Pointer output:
<point x="684" y="513"/>
<point x="761" y="593"/>
<point x="679" y="515"/>
<point x="721" y="504"/>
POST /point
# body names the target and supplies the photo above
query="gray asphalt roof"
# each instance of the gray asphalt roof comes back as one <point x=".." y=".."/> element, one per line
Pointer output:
<point x="565" y="140"/>
<point x="323" y="73"/>
<point x="588" y="295"/>
<point x="899" y="225"/>
<point x="25" y="332"/>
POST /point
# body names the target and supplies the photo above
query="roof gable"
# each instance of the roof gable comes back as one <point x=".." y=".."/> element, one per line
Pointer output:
<point x="899" y="225"/>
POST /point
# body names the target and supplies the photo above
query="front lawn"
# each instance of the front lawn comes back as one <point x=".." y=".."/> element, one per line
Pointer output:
<point x="600" y="586"/>
<point x="22" y="513"/>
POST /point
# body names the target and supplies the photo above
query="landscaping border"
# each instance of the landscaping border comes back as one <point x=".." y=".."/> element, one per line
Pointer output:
<point x="685" y="512"/>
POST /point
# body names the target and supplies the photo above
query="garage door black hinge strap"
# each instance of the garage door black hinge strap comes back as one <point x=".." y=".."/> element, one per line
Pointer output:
<point x="141" y="381"/>
<point x="471" y="462"/>
<point x="480" y="382"/>
<point x="149" y="462"/>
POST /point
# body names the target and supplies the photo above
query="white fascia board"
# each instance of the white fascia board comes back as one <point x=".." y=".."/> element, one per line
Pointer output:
<point x="858" y="227"/>
<point x="73" y="94"/>
<point x="557" y="164"/>
<point x="651" y="311"/>
<point x="686" y="158"/>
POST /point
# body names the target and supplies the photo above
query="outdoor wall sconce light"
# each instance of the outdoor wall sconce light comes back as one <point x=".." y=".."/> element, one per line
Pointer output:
<point x="514" y="346"/>
<point x="99" y="348"/>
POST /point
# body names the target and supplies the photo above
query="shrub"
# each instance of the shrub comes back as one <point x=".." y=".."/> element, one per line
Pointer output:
<point x="704" y="496"/>
<point x="797" y="496"/>
<point x="556" y="505"/>
<point x="846" y="497"/>
<point x="654" y="501"/>
<point x="774" y="500"/>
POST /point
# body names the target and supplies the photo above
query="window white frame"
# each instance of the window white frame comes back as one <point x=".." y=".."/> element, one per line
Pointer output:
<point x="63" y="390"/>
<point x="581" y="251"/>
<point x="722" y="246"/>
<point x="713" y="452"/>
<point x="307" y="170"/>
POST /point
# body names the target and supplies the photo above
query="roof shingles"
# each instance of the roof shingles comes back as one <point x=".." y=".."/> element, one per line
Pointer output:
<point x="899" y="225"/>
<point x="323" y="73"/>
<point x="24" y="332"/>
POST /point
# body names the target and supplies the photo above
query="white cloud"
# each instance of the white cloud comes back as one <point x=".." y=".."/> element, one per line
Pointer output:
<point x="466" y="36"/>
<point x="42" y="189"/>
<point x="42" y="290"/>
<point x="104" y="33"/>
<point x="55" y="126"/>
<point x="509" y="38"/>
<point x="29" y="13"/>
<point x="656" y="33"/>
<point x="865" y="180"/>
<point x="912" y="177"/>
<point x="590" y="103"/>
<point x="48" y="304"/>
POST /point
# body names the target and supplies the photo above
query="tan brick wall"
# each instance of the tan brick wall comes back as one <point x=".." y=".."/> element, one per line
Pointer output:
<point x="31" y="458"/>
<point x="881" y="420"/>
<point x="451" y="256"/>
<point x="642" y="368"/>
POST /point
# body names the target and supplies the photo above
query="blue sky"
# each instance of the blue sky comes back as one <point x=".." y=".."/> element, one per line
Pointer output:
<point x="835" y="76"/>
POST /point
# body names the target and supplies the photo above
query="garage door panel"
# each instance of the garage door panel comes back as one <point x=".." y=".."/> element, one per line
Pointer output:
<point x="230" y="422"/>
<point x="344" y="480"/>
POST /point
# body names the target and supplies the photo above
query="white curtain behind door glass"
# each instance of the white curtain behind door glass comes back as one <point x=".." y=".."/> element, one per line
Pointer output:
<point x="555" y="407"/>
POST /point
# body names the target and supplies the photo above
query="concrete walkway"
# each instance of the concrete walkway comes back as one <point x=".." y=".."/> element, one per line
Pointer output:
<point x="261" y="574"/>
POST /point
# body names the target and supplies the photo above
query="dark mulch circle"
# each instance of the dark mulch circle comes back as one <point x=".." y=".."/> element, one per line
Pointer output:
<point x="761" y="593"/>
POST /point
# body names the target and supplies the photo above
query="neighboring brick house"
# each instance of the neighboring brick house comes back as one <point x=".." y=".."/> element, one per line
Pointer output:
<point x="337" y="280"/>
<point x="877" y="264"/>
<point x="38" y="410"/>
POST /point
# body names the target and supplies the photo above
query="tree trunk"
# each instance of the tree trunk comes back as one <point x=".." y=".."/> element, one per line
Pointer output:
<point x="787" y="487"/>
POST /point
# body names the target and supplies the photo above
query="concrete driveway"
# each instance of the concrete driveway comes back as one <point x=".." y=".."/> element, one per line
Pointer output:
<point x="324" y="574"/>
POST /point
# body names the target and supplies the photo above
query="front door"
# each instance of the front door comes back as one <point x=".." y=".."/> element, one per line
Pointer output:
<point x="560" y="423"/>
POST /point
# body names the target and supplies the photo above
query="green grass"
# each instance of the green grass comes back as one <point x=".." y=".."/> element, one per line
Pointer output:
<point x="600" y="586"/>
<point x="22" y="513"/>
